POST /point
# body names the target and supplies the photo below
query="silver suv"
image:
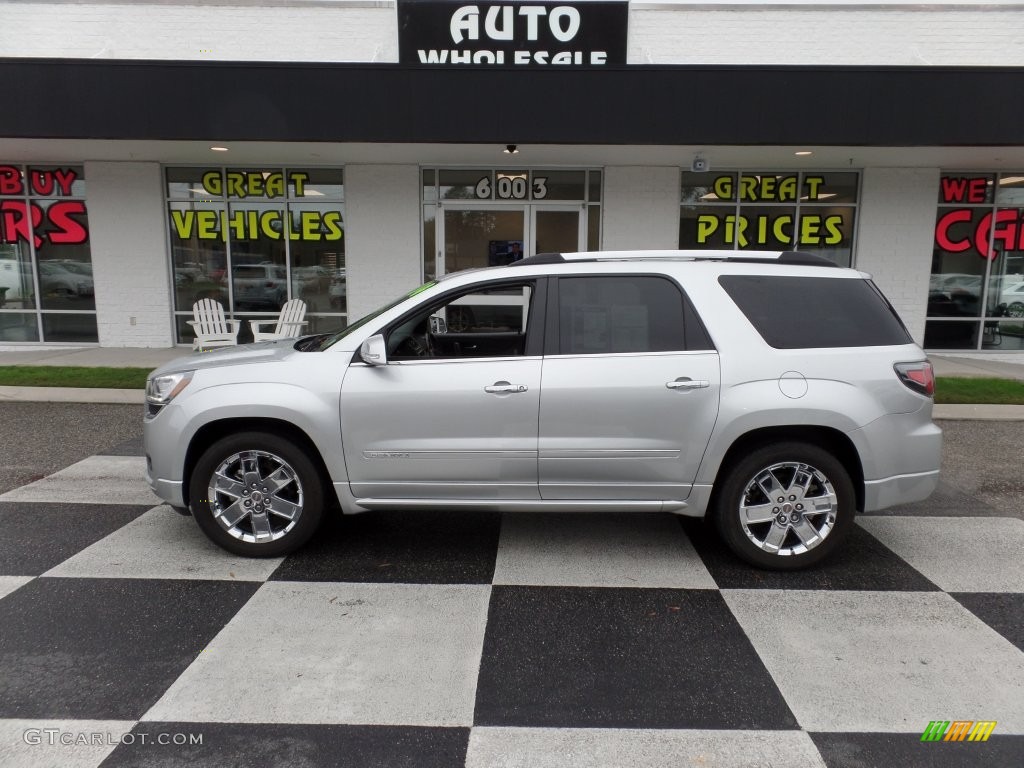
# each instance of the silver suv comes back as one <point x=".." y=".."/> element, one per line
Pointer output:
<point x="774" y="392"/>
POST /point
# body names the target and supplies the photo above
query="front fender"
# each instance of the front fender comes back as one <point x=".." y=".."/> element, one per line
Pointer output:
<point x="315" y="414"/>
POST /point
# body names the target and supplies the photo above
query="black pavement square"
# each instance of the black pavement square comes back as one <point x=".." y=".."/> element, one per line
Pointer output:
<point x="105" y="648"/>
<point x="861" y="563"/>
<point x="621" y="658"/>
<point x="399" y="547"/>
<point x="871" y="750"/>
<point x="225" y="745"/>
<point x="1004" y="612"/>
<point x="38" y="536"/>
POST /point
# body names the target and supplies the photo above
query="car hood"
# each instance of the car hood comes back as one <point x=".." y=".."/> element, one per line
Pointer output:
<point x="263" y="352"/>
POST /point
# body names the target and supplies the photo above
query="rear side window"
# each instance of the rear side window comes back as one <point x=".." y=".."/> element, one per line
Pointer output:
<point x="809" y="312"/>
<point x="624" y="313"/>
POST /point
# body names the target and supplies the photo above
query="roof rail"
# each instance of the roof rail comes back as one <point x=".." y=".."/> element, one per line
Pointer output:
<point x="749" y="257"/>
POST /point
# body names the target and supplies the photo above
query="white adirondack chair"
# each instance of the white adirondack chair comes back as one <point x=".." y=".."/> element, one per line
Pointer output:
<point x="212" y="329"/>
<point x="289" y="323"/>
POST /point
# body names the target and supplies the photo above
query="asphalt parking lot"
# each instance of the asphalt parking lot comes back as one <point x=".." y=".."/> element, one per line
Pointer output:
<point x="490" y="640"/>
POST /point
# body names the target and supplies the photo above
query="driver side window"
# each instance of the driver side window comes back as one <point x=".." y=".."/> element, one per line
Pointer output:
<point x="487" y="322"/>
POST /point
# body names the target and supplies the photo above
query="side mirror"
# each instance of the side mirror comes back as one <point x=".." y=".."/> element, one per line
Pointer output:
<point x="374" y="351"/>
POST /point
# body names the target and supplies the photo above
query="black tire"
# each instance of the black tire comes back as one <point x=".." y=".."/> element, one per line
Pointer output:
<point x="797" y="471"/>
<point x="260" y="457"/>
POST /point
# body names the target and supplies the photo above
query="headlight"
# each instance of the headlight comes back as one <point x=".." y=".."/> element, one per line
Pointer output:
<point x="162" y="389"/>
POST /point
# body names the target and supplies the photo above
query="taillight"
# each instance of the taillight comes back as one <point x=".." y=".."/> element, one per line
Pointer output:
<point x="919" y="376"/>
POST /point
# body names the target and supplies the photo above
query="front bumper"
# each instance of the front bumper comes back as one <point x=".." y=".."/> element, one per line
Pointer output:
<point x="168" y="490"/>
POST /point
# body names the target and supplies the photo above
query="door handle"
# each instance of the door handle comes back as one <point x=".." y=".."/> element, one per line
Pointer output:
<point x="685" y="382"/>
<point x="502" y="387"/>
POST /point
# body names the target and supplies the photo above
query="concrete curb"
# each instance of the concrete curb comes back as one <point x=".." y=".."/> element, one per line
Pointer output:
<point x="71" y="395"/>
<point x="969" y="412"/>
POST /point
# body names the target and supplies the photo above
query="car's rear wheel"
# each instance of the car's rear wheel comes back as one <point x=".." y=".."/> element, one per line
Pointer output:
<point x="256" y="494"/>
<point x="785" y="506"/>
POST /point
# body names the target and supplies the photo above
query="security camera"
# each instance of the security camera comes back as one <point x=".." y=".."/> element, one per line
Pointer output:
<point x="700" y="165"/>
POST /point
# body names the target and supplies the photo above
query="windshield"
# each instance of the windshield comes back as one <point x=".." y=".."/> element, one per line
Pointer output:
<point x="328" y="340"/>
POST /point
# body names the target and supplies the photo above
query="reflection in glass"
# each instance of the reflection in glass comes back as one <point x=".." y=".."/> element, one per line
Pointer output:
<point x="958" y="266"/>
<point x="198" y="253"/>
<point x="559" y="185"/>
<point x="56" y="180"/>
<point x="18" y="326"/>
<point x="829" y="188"/>
<point x="64" y="268"/>
<point x="316" y="183"/>
<point x="594" y="192"/>
<point x="318" y="257"/>
<point x="593" y="227"/>
<point x="429" y="243"/>
<point x="701" y="187"/>
<point x="557" y="231"/>
<point x="58" y="326"/>
<point x="475" y="238"/>
<point x="827" y="231"/>
<point x="706" y="226"/>
<point x="951" y="334"/>
<point x="1011" y="189"/>
<point x="462" y="185"/>
<point x="17" y="289"/>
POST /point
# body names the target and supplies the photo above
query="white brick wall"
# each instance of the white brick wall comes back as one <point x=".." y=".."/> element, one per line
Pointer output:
<point x="641" y="208"/>
<point x="897" y="34"/>
<point x="670" y="33"/>
<point x="347" y="31"/>
<point x="382" y="234"/>
<point x="895" y="236"/>
<point x="129" y="254"/>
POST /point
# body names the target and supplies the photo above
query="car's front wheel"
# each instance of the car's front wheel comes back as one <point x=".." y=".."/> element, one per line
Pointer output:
<point x="256" y="494"/>
<point x="785" y="506"/>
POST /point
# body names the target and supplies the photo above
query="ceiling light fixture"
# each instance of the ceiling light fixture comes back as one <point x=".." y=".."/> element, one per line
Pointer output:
<point x="803" y="153"/>
<point x="511" y="149"/>
<point x="219" y="149"/>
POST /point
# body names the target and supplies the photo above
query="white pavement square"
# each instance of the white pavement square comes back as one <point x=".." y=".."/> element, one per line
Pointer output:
<point x="598" y="550"/>
<point x="10" y="583"/>
<point x="957" y="554"/>
<point x="615" y="748"/>
<point x="59" y="743"/>
<point x="386" y="654"/>
<point x="161" y="544"/>
<point x="96" y="480"/>
<point x="882" y="661"/>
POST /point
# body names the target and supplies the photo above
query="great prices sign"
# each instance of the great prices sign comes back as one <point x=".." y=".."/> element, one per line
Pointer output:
<point x="758" y="226"/>
<point x="970" y="229"/>
<point x="40" y="221"/>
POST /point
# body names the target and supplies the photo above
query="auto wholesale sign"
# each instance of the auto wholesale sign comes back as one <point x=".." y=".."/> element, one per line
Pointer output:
<point x="512" y="35"/>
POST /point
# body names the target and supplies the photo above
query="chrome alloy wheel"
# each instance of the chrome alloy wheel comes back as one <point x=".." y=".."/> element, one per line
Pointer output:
<point x="255" y="496"/>
<point x="788" y="508"/>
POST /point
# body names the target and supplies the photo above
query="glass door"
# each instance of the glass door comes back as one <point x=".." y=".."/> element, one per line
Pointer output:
<point x="480" y="235"/>
<point x="557" y="228"/>
<point x="476" y="235"/>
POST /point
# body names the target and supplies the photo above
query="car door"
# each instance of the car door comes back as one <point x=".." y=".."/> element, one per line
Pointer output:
<point x="630" y="393"/>
<point x="453" y="413"/>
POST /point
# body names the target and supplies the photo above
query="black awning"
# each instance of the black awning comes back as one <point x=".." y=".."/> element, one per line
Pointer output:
<point x="791" y="105"/>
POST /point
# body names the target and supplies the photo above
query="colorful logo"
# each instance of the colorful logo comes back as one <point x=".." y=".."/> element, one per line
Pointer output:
<point x="958" y="730"/>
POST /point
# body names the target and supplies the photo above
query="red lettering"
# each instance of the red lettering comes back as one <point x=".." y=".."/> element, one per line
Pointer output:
<point x="1004" y="231"/>
<point x="13" y="221"/>
<point x="10" y="180"/>
<point x="942" y="231"/>
<point x="65" y="178"/>
<point x="977" y="191"/>
<point x="68" y="229"/>
<point x="961" y="190"/>
<point x="953" y="190"/>
<point x="41" y="181"/>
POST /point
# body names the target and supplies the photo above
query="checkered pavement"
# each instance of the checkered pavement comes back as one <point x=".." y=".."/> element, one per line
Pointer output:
<point x="421" y="639"/>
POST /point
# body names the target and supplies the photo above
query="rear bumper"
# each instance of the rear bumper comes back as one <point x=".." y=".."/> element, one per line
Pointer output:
<point x="899" y="489"/>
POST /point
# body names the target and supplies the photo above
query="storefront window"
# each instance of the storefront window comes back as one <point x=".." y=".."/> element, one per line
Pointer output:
<point x="484" y="217"/>
<point x="746" y="210"/>
<point x="253" y="238"/>
<point x="46" y="283"/>
<point x="976" y="289"/>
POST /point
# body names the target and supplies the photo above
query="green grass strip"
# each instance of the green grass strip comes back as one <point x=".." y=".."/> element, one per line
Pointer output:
<point x="72" y="376"/>
<point x="951" y="390"/>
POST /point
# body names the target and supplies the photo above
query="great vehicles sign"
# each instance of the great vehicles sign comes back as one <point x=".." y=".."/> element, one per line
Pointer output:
<point x="523" y="34"/>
